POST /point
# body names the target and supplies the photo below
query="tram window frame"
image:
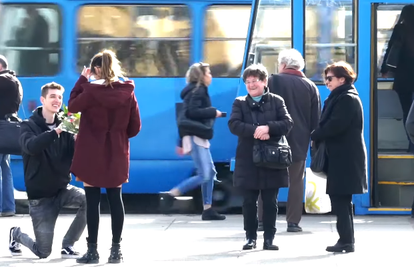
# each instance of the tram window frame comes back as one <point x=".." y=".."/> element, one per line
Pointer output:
<point x="266" y="50"/>
<point x="207" y="39"/>
<point x="354" y="40"/>
<point x="54" y="47"/>
<point x="118" y="40"/>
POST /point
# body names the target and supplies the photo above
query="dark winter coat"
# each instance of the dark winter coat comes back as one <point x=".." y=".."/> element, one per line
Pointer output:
<point x="342" y="128"/>
<point x="405" y="69"/>
<point x="270" y="110"/>
<point x="109" y="117"/>
<point x="197" y="106"/>
<point x="47" y="157"/>
<point x="304" y="105"/>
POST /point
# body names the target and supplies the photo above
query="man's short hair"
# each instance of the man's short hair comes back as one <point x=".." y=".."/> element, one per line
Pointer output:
<point x="3" y="62"/>
<point x="52" y="85"/>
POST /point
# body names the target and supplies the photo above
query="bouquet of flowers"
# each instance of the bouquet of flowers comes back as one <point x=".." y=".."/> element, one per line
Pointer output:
<point x="70" y="121"/>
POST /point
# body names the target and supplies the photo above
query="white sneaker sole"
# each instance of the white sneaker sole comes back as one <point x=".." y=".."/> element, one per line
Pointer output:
<point x="16" y="253"/>
<point x="70" y="256"/>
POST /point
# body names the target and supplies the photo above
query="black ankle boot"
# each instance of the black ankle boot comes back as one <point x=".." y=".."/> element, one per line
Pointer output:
<point x="340" y="247"/>
<point x="91" y="256"/>
<point x="116" y="255"/>
<point x="268" y="245"/>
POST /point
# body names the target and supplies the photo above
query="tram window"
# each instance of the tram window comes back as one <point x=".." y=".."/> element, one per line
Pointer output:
<point x="330" y="35"/>
<point x="150" y="41"/>
<point x="30" y="38"/>
<point x="272" y="33"/>
<point x="387" y="17"/>
<point x="225" y="38"/>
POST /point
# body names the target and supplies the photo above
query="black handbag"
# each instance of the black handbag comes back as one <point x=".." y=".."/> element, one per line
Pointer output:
<point x="188" y="125"/>
<point x="9" y="135"/>
<point x="271" y="154"/>
<point x="318" y="157"/>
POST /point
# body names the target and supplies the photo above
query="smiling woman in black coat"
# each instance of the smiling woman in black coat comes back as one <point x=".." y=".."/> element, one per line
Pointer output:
<point x="341" y="127"/>
<point x="274" y="121"/>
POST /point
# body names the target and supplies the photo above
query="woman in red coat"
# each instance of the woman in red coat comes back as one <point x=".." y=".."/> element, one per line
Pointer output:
<point x="110" y="116"/>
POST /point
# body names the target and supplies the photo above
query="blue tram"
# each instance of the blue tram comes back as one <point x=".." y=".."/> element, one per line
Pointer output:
<point x="156" y="41"/>
<point x="357" y="32"/>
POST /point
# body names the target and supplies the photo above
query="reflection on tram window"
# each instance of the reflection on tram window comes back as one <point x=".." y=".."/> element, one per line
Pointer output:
<point x="225" y="39"/>
<point x="272" y="33"/>
<point x="148" y="40"/>
<point x="387" y="17"/>
<point x="30" y="38"/>
<point x="330" y="35"/>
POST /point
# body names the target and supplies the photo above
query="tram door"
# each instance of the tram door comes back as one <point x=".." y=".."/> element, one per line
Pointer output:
<point x="393" y="164"/>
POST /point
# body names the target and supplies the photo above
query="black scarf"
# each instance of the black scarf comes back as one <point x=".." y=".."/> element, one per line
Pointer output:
<point x="333" y="98"/>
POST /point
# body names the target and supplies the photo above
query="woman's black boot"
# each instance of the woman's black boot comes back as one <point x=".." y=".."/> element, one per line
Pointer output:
<point x="91" y="256"/>
<point x="116" y="255"/>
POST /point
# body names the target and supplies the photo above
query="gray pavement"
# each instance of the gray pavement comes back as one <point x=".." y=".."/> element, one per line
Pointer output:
<point x="180" y="240"/>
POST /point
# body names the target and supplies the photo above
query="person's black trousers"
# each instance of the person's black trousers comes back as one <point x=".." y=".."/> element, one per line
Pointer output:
<point x="270" y="209"/>
<point x="342" y="208"/>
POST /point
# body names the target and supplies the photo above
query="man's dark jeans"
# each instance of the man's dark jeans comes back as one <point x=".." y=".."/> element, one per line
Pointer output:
<point x="44" y="213"/>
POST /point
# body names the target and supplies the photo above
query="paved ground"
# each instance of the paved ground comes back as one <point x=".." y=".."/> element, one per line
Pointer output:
<point x="182" y="240"/>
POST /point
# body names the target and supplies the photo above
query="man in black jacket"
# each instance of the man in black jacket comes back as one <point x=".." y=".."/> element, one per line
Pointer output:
<point x="10" y="99"/>
<point x="47" y="154"/>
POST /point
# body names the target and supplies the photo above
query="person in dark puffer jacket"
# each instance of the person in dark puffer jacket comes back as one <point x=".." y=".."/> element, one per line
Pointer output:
<point x="11" y="95"/>
<point x="272" y="122"/>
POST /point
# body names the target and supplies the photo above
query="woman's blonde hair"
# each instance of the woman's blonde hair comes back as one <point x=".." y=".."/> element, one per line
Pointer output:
<point x="109" y="65"/>
<point x="196" y="73"/>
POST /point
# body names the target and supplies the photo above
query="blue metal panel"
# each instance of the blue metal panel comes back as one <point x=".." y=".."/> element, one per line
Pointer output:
<point x="363" y="85"/>
<point x="298" y="29"/>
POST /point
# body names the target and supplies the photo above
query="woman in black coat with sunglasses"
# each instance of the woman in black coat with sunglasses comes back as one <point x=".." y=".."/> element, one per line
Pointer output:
<point x="341" y="127"/>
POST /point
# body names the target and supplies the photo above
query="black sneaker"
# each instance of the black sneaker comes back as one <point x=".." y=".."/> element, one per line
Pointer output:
<point x="14" y="246"/>
<point x="294" y="228"/>
<point x="69" y="253"/>
<point x="212" y="215"/>
<point x="166" y="202"/>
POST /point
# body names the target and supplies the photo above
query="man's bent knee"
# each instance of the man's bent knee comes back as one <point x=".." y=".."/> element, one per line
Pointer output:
<point x="43" y="254"/>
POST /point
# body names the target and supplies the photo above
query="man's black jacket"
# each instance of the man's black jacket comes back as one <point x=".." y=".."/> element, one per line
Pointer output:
<point x="47" y="157"/>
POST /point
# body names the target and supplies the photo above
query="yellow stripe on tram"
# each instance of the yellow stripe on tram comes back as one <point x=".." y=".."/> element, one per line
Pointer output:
<point x="389" y="209"/>
<point x="396" y="156"/>
<point x="396" y="183"/>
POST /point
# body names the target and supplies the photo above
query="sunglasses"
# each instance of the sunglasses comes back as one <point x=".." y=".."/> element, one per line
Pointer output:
<point x="329" y="78"/>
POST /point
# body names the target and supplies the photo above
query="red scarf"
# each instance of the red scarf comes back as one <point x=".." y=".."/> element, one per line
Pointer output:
<point x="293" y="72"/>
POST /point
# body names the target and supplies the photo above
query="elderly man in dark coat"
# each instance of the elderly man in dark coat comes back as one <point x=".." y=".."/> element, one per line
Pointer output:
<point x="273" y="122"/>
<point x="304" y="105"/>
